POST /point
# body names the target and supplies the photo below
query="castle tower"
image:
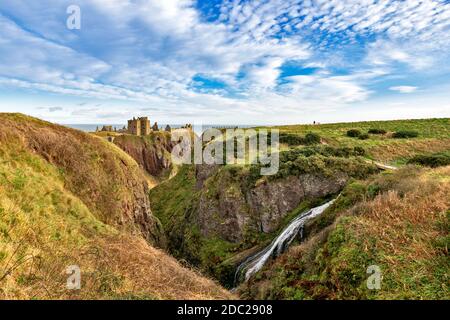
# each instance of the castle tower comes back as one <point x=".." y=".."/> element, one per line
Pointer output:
<point x="139" y="126"/>
<point x="134" y="127"/>
<point x="145" y="126"/>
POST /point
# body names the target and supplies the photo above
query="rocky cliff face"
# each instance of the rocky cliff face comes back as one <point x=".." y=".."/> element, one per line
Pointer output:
<point x="213" y="214"/>
<point x="230" y="210"/>
<point x="152" y="152"/>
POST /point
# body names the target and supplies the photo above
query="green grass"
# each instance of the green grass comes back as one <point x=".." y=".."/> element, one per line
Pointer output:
<point x="429" y="130"/>
<point x="47" y="175"/>
<point x="372" y="223"/>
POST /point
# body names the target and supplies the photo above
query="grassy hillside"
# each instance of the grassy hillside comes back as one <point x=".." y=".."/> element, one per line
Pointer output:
<point x="399" y="221"/>
<point x="237" y="209"/>
<point x="200" y="212"/>
<point x="433" y="136"/>
<point x="67" y="198"/>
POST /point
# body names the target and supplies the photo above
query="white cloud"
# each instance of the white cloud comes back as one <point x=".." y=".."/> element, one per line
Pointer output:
<point x="404" y="89"/>
<point x="148" y="52"/>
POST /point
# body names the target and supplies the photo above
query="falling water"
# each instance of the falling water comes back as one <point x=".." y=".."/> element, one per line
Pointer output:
<point x="255" y="262"/>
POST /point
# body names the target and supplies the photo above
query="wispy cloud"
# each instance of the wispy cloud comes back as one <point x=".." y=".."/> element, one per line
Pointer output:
<point x="404" y="89"/>
<point x="55" y="109"/>
<point x="147" y="54"/>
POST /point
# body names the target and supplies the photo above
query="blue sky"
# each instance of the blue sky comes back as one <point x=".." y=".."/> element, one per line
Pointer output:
<point x="243" y="62"/>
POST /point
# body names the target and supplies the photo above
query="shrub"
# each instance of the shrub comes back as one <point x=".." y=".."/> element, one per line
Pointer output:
<point x="359" y="151"/>
<point x="364" y="136"/>
<point x="312" y="138"/>
<point x="295" y="140"/>
<point x="377" y="131"/>
<point x="405" y="134"/>
<point x="433" y="160"/>
<point x="291" y="139"/>
<point x="354" y="133"/>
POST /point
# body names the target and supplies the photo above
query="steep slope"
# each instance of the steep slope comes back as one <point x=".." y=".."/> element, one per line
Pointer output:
<point x="104" y="178"/>
<point x="397" y="221"/>
<point x="216" y="216"/>
<point x="67" y="198"/>
<point x="211" y="215"/>
<point x="151" y="152"/>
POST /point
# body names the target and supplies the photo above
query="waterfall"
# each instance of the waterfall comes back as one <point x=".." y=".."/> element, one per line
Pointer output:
<point x="255" y="262"/>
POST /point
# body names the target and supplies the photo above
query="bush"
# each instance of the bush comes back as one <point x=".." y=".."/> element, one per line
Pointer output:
<point x="359" y="151"/>
<point x="312" y="138"/>
<point x="354" y="133"/>
<point x="295" y="140"/>
<point x="364" y="136"/>
<point x="291" y="139"/>
<point x="433" y="160"/>
<point x="377" y="131"/>
<point x="405" y="134"/>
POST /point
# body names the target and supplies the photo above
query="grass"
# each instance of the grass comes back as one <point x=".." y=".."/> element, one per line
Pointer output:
<point x="433" y="136"/>
<point x="402" y="227"/>
<point x="46" y="226"/>
<point x="105" y="178"/>
<point x="175" y="201"/>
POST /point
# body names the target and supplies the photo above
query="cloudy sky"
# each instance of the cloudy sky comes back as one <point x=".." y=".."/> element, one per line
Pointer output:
<point x="226" y="62"/>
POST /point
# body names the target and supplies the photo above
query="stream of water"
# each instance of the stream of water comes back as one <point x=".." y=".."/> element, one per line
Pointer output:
<point x="255" y="262"/>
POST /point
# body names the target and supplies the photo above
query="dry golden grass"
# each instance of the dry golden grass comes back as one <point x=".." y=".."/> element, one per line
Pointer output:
<point x="404" y="230"/>
<point x="151" y="271"/>
<point x="408" y="148"/>
<point x="45" y="226"/>
<point x="386" y="216"/>
<point x="104" y="177"/>
<point x="113" y="267"/>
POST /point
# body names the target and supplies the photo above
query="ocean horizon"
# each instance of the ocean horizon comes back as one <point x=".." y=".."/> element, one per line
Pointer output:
<point x="93" y="127"/>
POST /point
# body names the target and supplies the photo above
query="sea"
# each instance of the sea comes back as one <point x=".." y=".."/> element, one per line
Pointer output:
<point x="198" y="130"/>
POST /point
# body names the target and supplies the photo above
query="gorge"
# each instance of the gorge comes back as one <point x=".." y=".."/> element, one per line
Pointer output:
<point x="121" y="208"/>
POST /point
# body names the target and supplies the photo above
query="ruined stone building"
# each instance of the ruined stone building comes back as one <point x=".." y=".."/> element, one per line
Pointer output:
<point x="107" y="129"/>
<point x="155" y="127"/>
<point x="139" y="126"/>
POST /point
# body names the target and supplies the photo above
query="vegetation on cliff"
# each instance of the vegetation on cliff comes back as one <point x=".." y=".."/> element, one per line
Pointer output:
<point x="215" y="216"/>
<point x="398" y="221"/>
<point x="209" y="218"/>
<point x="68" y="198"/>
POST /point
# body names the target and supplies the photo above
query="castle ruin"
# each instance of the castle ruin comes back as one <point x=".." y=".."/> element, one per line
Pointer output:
<point x="139" y="126"/>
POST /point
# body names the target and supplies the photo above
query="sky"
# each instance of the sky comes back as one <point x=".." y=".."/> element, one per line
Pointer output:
<point x="225" y="62"/>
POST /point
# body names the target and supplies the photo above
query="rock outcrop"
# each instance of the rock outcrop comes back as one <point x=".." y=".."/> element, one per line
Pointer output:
<point x="151" y="152"/>
<point x="231" y="210"/>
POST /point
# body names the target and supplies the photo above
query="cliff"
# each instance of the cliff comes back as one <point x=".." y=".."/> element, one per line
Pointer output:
<point x="397" y="221"/>
<point x="106" y="179"/>
<point x="212" y="213"/>
<point x="151" y="152"/>
<point x="69" y="198"/>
